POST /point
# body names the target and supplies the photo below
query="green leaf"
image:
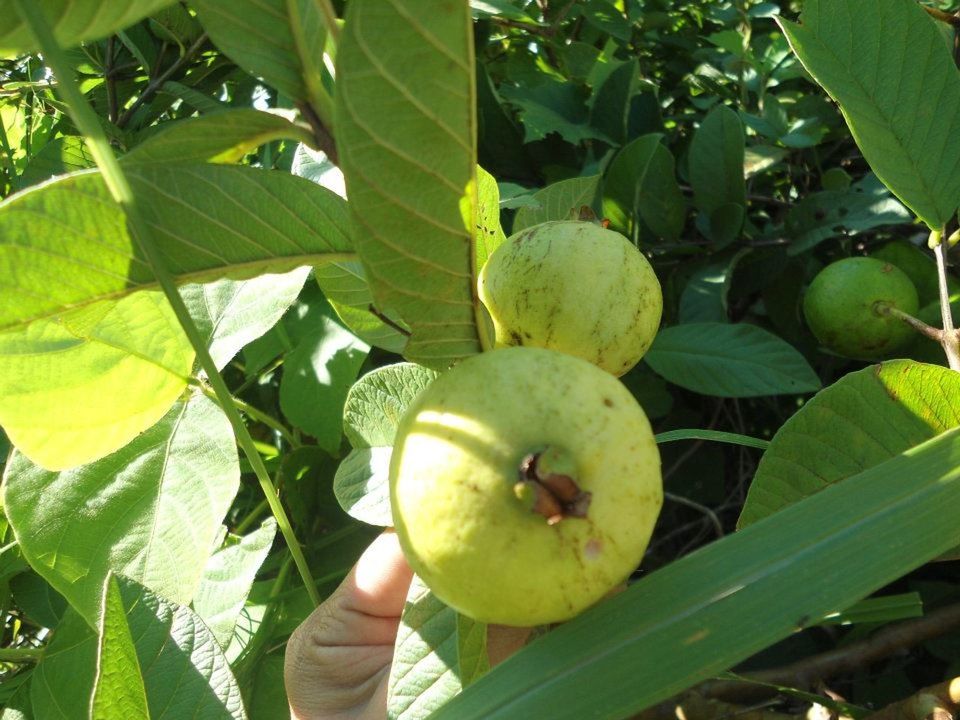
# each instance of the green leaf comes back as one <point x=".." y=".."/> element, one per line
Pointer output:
<point x="553" y="106"/>
<point x="125" y="513"/>
<point x="473" y="662"/>
<point x="60" y="156"/>
<point x="711" y="609"/>
<point x="56" y="376"/>
<point x="223" y="137"/>
<point x="406" y="131"/>
<point x="62" y="684"/>
<point x="184" y="670"/>
<point x="228" y="577"/>
<point x="712" y="435"/>
<point x="374" y="408"/>
<point x="704" y="299"/>
<point x="864" y="419"/>
<point x="38" y="601"/>
<point x="641" y="184"/>
<point x="899" y="93"/>
<point x="210" y="221"/>
<point x="232" y="313"/>
<point x="118" y="690"/>
<point x="425" y="671"/>
<point x="488" y="233"/>
<point x="730" y="361"/>
<point x="73" y="21"/>
<point x="832" y="213"/>
<point x="317" y="375"/>
<point x="717" y="162"/>
<point x="559" y="201"/>
<point x="284" y="42"/>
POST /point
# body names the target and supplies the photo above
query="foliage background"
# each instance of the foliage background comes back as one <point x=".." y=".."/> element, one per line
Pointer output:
<point x="692" y="127"/>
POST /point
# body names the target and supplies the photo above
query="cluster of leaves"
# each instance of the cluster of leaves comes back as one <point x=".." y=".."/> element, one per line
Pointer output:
<point x="131" y="525"/>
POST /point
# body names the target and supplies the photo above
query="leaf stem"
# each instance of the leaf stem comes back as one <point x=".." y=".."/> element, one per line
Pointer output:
<point x="949" y="341"/>
<point x="21" y="654"/>
<point x="948" y="18"/>
<point x="158" y="81"/>
<point x="121" y="191"/>
<point x="920" y="326"/>
<point x="329" y="19"/>
<point x="259" y="415"/>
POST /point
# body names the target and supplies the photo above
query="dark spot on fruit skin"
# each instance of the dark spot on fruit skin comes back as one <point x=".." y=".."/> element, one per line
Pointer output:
<point x="608" y="402"/>
<point x="516" y="338"/>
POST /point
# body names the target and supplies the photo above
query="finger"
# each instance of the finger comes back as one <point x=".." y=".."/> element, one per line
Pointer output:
<point x="378" y="584"/>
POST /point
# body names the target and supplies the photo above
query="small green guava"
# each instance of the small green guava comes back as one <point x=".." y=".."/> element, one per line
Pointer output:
<point x="844" y="307"/>
<point x="574" y="287"/>
<point x="525" y="485"/>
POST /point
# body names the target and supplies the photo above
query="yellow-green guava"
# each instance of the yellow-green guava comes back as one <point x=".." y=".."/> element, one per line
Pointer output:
<point x="525" y="485"/>
<point x="575" y="287"/>
<point x="844" y="307"/>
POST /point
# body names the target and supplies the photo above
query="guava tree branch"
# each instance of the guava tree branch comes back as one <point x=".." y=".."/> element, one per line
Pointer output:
<point x="920" y="326"/>
<point x="154" y="86"/>
<point x="321" y="133"/>
<point x="949" y="342"/>
<point x="948" y="18"/>
<point x="807" y="672"/>
<point x="937" y="702"/>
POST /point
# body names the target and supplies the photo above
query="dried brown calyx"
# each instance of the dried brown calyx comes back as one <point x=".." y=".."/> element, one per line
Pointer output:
<point x="546" y="484"/>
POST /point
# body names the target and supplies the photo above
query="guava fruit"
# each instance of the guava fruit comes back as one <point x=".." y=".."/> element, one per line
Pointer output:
<point x="525" y="485"/>
<point x="574" y="287"/>
<point x="845" y="302"/>
<point x="917" y="265"/>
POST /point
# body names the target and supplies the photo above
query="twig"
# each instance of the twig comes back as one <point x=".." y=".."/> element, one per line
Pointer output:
<point x="154" y="86"/>
<point x="710" y="514"/>
<point x="949" y="341"/>
<point x="322" y="136"/>
<point x="935" y="334"/>
<point x="387" y="321"/>
<point x="937" y="702"/>
<point x="804" y="673"/>
<point x="948" y="18"/>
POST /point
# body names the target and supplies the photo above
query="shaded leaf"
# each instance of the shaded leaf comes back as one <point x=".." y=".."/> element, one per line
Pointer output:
<point x="73" y="21"/>
<point x="725" y="360"/>
<point x="425" y="672"/>
<point x="223" y="137"/>
<point x="125" y="513"/>
<point x="374" y="408"/>
<point x="285" y="43"/>
<point x="559" y="201"/>
<point x="228" y="577"/>
<point x="232" y="313"/>
<point x="886" y="83"/>
<point x="316" y="377"/>
<point x="641" y="184"/>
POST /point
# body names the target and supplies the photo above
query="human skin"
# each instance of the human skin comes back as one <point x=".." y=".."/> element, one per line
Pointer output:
<point x="338" y="660"/>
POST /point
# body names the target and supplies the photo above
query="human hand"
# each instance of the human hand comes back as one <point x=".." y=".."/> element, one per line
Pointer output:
<point x="338" y="661"/>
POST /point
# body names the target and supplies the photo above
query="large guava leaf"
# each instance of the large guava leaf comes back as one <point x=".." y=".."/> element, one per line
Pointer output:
<point x="406" y="130"/>
<point x="862" y="420"/>
<point x="75" y="388"/>
<point x="73" y="21"/>
<point x="887" y="65"/>
<point x="151" y="510"/>
<point x="65" y="244"/>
